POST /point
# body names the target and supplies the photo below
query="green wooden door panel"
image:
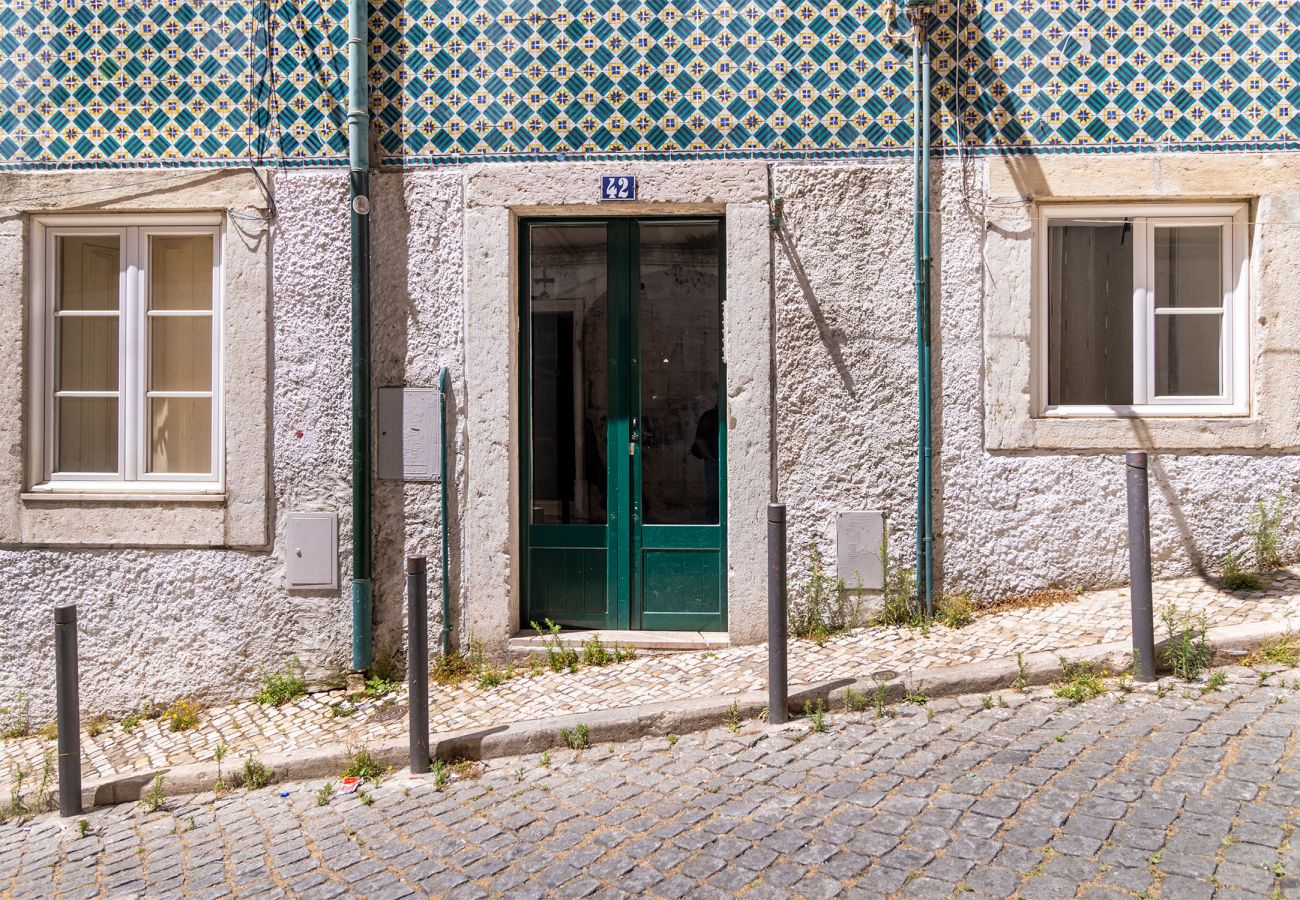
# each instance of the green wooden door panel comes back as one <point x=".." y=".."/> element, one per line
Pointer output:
<point x="569" y="584"/>
<point x="681" y="590"/>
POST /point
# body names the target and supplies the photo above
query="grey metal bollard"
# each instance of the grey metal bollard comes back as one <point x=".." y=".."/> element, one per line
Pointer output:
<point x="1139" y="566"/>
<point x="417" y="660"/>
<point x="778" y="690"/>
<point x="68" y="708"/>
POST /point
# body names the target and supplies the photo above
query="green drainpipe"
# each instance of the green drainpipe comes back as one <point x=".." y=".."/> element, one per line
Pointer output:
<point x="918" y="11"/>
<point x="442" y="470"/>
<point x="359" y="178"/>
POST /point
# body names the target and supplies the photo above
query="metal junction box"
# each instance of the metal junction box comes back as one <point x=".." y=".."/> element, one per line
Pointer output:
<point x="311" y="550"/>
<point x="857" y="549"/>
<point x="410" y="434"/>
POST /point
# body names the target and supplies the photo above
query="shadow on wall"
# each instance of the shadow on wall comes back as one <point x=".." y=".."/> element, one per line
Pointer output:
<point x="824" y="331"/>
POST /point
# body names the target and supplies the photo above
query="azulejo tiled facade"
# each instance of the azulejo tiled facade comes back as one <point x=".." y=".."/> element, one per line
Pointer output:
<point x="98" y="81"/>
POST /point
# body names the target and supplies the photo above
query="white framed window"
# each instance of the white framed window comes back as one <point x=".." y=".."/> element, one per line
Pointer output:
<point x="125" y="353"/>
<point x="1142" y="310"/>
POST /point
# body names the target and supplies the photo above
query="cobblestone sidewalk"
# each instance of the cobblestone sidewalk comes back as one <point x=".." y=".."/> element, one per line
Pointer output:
<point x="248" y="727"/>
<point x="1183" y="792"/>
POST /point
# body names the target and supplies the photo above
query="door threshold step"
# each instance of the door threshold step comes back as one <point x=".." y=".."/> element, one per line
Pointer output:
<point x="651" y="641"/>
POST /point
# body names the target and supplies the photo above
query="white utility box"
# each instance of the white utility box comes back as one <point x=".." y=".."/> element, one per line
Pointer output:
<point x="410" y="434"/>
<point x="857" y="549"/>
<point x="311" y="550"/>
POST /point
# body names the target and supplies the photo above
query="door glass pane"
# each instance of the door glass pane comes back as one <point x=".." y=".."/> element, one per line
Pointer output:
<point x="180" y="435"/>
<point x="1189" y="266"/>
<point x="85" y="434"/>
<point x="568" y="290"/>
<point x="1090" y="315"/>
<point x="87" y="353"/>
<point x="180" y="353"/>
<point x="1187" y="355"/>
<point x="180" y="271"/>
<point x="86" y="271"/>
<point x="681" y="339"/>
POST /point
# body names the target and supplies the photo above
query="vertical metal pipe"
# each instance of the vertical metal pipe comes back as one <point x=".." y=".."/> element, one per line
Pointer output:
<point x="417" y="660"/>
<point x="359" y="214"/>
<point x="445" y="642"/>
<point x="778" y="699"/>
<point x="1139" y="566"/>
<point x="68" y="702"/>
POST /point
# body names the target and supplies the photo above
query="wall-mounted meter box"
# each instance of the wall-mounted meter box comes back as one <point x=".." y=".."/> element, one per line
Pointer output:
<point x="410" y="434"/>
<point x="311" y="550"/>
<point x="857" y="549"/>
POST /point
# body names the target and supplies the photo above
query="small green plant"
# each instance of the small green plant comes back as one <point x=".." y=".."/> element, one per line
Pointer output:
<point x="916" y="699"/>
<point x="559" y="658"/>
<point x="15" y="720"/>
<point x="490" y="676"/>
<point x="342" y="710"/>
<point x="1282" y="651"/>
<point x="827" y="608"/>
<point x="366" y="798"/>
<point x="594" y="652"/>
<point x="986" y="702"/>
<point x="856" y="701"/>
<point x="899" y="605"/>
<point x="578" y="737"/>
<point x="441" y="774"/>
<point x="1080" y="683"/>
<point x="818" y="717"/>
<point x="256" y="774"/>
<point x="154" y="800"/>
<point x="545" y="760"/>
<point x="219" y="753"/>
<point x="1235" y="578"/>
<point x="378" y="686"/>
<point x="364" y="765"/>
<point x="1187" y="652"/>
<point x="732" y="720"/>
<point x="1216" y="681"/>
<point x="672" y="740"/>
<point x="1022" y="673"/>
<point x="623" y="653"/>
<point x="83" y="827"/>
<point x="1266" y="533"/>
<point x="879" y="698"/>
<point x="956" y="610"/>
<point x="451" y="669"/>
<point x="1002" y="702"/>
<point x="97" y="725"/>
<point x="282" y="686"/>
<point x="183" y="715"/>
<point x="50" y="732"/>
<point x="325" y="794"/>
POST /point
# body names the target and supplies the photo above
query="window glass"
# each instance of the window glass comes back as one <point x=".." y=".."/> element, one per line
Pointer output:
<point x="180" y="432"/>
<point x="86" y="438"/>
<point x="1090" y="314"/>
<point x="1187" y="356"/>
<point x="1189" y="266"/>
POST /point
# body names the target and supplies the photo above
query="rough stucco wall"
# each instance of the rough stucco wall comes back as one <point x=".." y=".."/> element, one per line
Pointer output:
<point x="1007" y="523"/>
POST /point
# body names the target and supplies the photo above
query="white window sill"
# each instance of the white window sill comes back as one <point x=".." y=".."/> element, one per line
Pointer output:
<point x="1121" y="413"/>
<point x="42" y="493"/>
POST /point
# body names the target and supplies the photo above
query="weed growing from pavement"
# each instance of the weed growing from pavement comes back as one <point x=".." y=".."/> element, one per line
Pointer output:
<point x="282" y="686"/>
<point x="732" y="720"/>
<point x="1235" y="578"/>
<point x="956" y="610"/>
<point x="578" y="737"/>
<point x="490" y="676"/>
<point x="342" y="710"/>
<point x="817" y="717"/>
<point x="1282" y="651"/>
<point x="1266" y="533"/>
<point x="595" y="653"/>
<point x="15" y="720"/>
<point x="363" y="765"/>
<point x="366" y="798"/>
<point x="451" y="669"/>
<point x="986" y="702"/>
<point x="1216" y="681"/>
<point x="83" y="828"/>
<point x="899" y="605"/>
<point x="218" y="754"/>
<point x="441" y="775"/>
<point x="879" y="698"/>
<point x="545" y="760"/>
<point x="97" y="725"/>
<point x="1187" y="653"/>
<point x="256" y="775"/>
<point x="325" y="794"/>
<point x="856" y="701"/>
<point x="916" y="699"/>
<point x="672" y="740"/>
<point x="183" y="715"/>
<point x="1080" y="683"/>
<point x="154" y="799"/>
<point x="827" y="608"/>
<point x="559" y="658"/>
<point x="379" y="685"/>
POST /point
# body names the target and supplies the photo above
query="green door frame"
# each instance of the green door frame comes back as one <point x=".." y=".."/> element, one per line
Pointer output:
<point x="626" y="539"/>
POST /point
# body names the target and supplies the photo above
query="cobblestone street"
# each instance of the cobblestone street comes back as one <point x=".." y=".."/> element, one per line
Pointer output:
<point x="1183" y="792"/>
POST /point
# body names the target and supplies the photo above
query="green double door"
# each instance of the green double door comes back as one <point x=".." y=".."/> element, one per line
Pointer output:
<point x="624" y="440"/>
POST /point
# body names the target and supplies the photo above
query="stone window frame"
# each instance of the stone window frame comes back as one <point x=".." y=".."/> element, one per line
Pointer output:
<point x="1016" y="186"/>
<point x="42" y="477"/>
<point x="1236" y="318"/>
<point x="239" y="515"/>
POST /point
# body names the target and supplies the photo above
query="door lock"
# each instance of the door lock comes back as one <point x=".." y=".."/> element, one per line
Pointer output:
<point x="635" y="435"/>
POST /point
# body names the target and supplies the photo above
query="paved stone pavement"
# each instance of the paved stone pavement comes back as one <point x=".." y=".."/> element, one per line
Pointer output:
<point x="1185" y="792"/>
<point x="246" y="727"/>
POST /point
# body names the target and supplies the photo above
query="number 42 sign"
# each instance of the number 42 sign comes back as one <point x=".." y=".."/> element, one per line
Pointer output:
<point x="617" y="187"/>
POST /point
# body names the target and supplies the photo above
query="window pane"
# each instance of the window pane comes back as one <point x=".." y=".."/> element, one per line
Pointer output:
<point x="1189" y="266"/>
<point x="1187" y="356"/>
<point x="87" y="353"/>
<point x="180" y="271"/>
<point x="180" y="353"/>
<point x="570" y="388"/>
<point x="180" y="435"/>
<point x="1090" y="315"/>
<point x="86" y="434"/>
<point x="86" y="271"/>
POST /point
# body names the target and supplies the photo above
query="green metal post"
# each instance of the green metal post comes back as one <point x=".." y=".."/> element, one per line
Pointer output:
<point x="442" y="485"/>
<point x="919" y="13"/>
<point x="359" y="183"/>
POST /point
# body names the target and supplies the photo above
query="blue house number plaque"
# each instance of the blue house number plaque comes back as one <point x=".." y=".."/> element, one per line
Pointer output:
<point x="617" y="187"/>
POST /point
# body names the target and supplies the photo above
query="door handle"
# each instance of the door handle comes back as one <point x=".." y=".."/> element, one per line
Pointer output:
<point x="635" y="436"/>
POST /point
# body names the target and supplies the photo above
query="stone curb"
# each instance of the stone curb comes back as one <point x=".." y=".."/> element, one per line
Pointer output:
<point x="1230" y="645"/>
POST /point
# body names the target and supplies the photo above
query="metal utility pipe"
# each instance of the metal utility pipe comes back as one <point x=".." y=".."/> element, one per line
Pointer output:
<point x="67" y="693"/>
<point x="359" y="212"/>
<point x="445" y="643"/>
<point x="1139" y="566"/>
<point x="778" y="688"/>
<point x="918" y="13"/>
<point x="417" y="660"/>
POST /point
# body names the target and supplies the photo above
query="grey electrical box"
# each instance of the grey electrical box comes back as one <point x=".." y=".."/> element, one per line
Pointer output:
<point x="857" y="549"/>
<point x="311" y="550"/>
<point x="410" y="434"/>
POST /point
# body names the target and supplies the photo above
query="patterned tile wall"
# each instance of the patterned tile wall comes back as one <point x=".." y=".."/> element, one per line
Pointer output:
<point x="224" y="80"/>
